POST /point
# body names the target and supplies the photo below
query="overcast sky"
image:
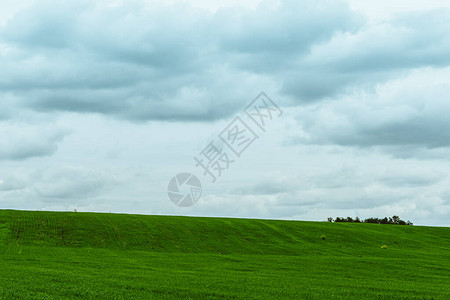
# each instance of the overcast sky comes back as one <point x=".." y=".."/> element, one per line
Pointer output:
<point x="103" y="102"/>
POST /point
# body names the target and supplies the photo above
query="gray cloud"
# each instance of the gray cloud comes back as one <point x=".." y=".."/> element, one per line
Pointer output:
<point x="273" y="186"/>
<point x="64" y="185"/>
<point x="406" y="116"/>
<point x="355" y="178"/>
<point x="374" y="54"/>
<point x="70" y="183"/>
<point x="70" y="58"/>
<point x="157" y="62"/>
<point x="23" y="141"/>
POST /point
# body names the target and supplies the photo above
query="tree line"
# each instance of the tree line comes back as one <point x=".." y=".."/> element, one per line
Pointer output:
<point x="395" y="220"/>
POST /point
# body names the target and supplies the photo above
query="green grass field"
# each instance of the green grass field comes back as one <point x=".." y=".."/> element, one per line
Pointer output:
<point x="47" y="255"/>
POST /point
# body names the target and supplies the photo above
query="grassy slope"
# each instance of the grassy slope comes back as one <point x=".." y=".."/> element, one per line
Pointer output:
<point x="116" y="256"/>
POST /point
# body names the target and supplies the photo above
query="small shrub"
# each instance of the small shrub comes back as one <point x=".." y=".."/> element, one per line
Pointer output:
<point x="323" y="236"/>
<point x="384" y="247"/>
<point x="391" y="220"/>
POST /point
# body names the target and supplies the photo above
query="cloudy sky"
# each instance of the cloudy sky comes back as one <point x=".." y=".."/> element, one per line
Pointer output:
<point x="104" y="102"/>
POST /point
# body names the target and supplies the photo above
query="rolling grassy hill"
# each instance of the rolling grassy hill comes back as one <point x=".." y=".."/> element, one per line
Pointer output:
<point x="89" y="255"/>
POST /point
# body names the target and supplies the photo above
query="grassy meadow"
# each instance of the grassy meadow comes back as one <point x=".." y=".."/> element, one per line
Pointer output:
<point x="54" y="255"/>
